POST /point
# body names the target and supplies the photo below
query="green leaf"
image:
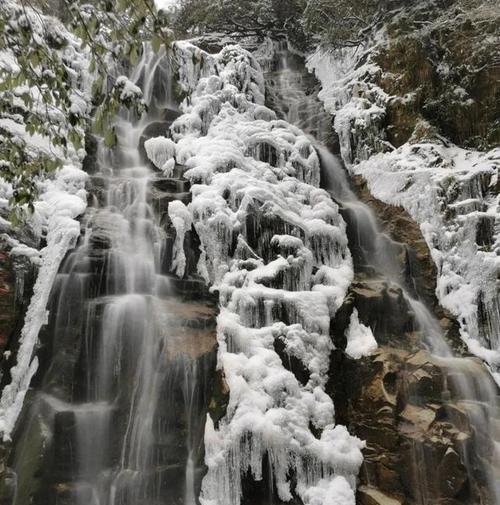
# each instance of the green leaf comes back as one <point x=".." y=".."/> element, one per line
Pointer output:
<point x="110" y="138"/>
<point x="97" y="86"/>
<point x="134" y="57"/>
<point x="156" y="42"/>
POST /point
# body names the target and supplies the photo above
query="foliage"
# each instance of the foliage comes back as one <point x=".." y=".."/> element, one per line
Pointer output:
<point x="258" y="18"/>
<point x="336" y="23"/>
<point x="42" y="69"/>
<point x="342" y="23"/>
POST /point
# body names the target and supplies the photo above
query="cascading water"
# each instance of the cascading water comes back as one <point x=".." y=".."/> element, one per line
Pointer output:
<point x="289" y="89"/>
<point x="124" y="397"/>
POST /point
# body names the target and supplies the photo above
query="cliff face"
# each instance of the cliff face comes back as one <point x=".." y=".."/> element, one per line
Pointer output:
<point x="405" y="109"/>
<point x="441" y="64"/>
<point x="416" y="113"/>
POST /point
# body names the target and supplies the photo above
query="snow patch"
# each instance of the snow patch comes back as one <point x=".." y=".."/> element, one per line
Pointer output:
<point x="182" y="222"/>
<point x="161" y="152"/>
<point x="360" y="339"/>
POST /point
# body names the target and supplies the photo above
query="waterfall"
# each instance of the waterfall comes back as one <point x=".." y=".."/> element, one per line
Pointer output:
<point x="124" y="390"/>
<point x="289" y="91"/>
<point x="125" y="405"/>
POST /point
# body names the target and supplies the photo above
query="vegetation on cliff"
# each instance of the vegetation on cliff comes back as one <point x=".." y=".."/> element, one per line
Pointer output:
<point x="57" y="81"/>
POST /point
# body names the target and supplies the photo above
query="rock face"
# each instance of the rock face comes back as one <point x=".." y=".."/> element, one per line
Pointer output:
<point x="430" y="76"/>
<point x="17" y="275"/>
<point x="421" y="92"/>
<point x="16" y="282"/>
<point x="409" y="406"/>
<point x="420" y="270"/>
<point x="425" y="440"/>
<point x="406" y="405"/>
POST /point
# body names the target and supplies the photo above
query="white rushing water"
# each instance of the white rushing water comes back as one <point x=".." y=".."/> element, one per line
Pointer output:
<point x="120" y="390"/>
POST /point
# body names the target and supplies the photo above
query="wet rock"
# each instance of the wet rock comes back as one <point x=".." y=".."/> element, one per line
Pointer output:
<point x="8" y="486"/>
<point x="90" y="163"/>
<point x="156" y="129"/>
<point x="295" y="365"/>
<point x="190" y="288"/>
<point x="220" y="398"/>
<point x="261" y="226"/>
<point x="192" y="253"/>
<point x="424" y="386"/>
<point x="263" y="151"/>
<point x="161" y="199"/>
<point x="416" y="437"/>
<point x="417" y="419"/>
<point x="29" y="461"/>
<point x="485" y="231"/>
<point x="416" y="261"/>
<point x="452" y="474"/>
<point x="170" y="185"/>
<point x="190" y="327"/>
<point x="9" y="311"/>
<point x="380" y="306"/>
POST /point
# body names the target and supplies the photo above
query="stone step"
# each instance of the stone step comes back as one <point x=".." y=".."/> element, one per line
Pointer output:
<point x="191" y="288"/>
<point x="170" y="184"/>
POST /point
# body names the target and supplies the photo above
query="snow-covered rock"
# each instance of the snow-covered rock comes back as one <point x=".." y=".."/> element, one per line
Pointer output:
<point x="452" y="193"/>
<point x="360" y="339"/>
<point x="274" y="245"/>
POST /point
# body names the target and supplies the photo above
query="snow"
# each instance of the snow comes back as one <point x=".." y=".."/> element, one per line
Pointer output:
<point x="161" y="152"/>
<point x="264" y="227"/>
<point x="62" y="201"/>
<point x="128" y="90"/>
<point x="348" y="93"/>
<point x="166" y="4"/>
<point x="360" y="339"/>
<point x="449" y="191"/>
<point x="182" y="221"/>
<point x="334" y="492"/>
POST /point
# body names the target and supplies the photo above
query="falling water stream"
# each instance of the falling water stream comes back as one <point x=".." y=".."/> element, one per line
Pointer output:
<point x="292" y="93"/>
<point x="124" y="403"/>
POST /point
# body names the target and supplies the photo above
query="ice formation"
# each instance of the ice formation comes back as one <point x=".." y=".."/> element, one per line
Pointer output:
<point x="161" y="152"/>
<point x="274" y="245"/>
<point x="182" y="221"/>
<point x="360" y="339"/>
<point x="62" y="198"/>
<point x="349" y="94"/>
<point x="451" y="192"/>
